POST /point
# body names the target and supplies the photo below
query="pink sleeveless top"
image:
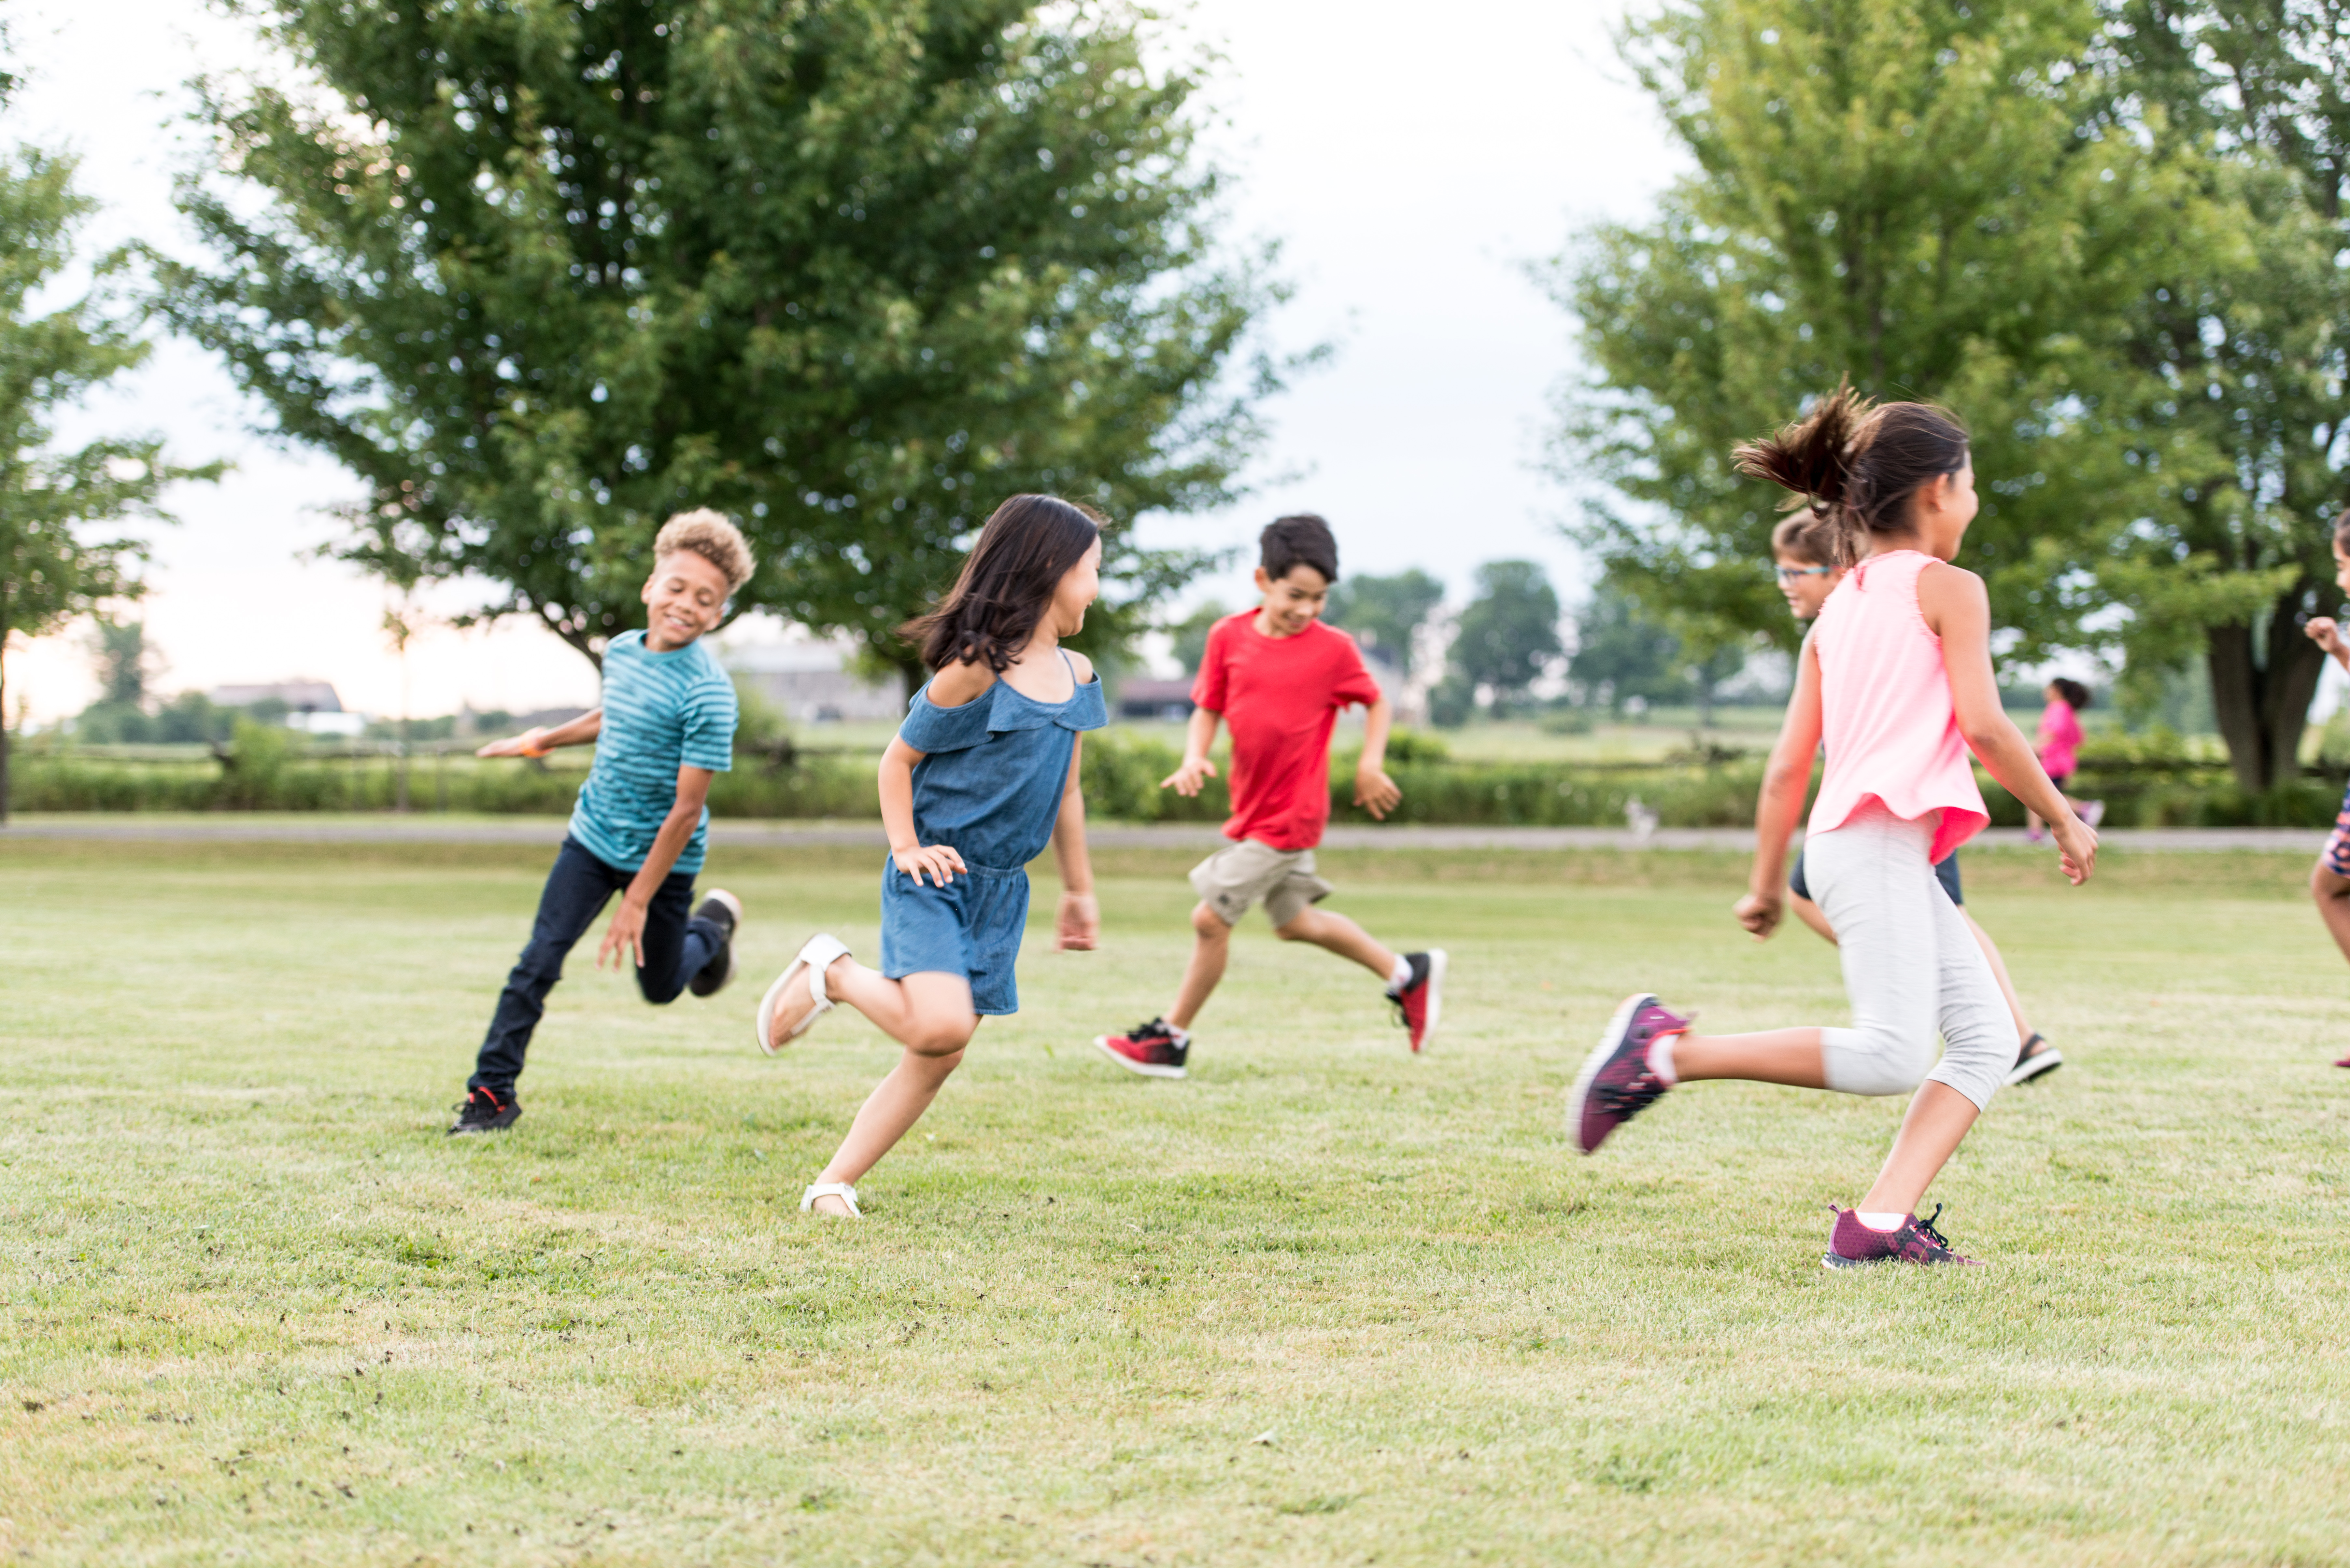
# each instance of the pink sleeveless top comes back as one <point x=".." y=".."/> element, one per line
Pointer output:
<point x="1886" y="715"/>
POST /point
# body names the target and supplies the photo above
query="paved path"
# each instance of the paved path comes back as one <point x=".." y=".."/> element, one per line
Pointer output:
<point x="426" y="828"/>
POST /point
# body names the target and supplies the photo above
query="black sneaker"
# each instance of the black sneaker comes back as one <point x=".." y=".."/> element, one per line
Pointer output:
<point x="724" y="910"/>
<point x="1149" y="1049"/>
<point x="2030" y="1064"/>
<point x="487" y="1110"/>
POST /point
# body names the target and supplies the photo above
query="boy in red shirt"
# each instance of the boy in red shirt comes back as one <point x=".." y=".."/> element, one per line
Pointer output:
<point x="1278" y="676"/>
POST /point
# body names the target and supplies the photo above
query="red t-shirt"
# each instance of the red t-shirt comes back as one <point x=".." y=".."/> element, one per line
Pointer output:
<point x="1280" y="695"/>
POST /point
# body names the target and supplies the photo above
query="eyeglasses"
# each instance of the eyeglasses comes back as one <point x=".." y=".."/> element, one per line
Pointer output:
<point x="1789" y="574"/>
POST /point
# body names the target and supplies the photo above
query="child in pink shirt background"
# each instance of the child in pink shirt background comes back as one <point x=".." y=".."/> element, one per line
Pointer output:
<point x="2060" y="751"/>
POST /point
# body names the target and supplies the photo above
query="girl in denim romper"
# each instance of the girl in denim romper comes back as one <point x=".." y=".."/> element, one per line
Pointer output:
<point x="983" y="774"/>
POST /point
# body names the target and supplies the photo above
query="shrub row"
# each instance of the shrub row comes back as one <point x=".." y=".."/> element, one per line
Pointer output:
<point x="1121" y="784"/>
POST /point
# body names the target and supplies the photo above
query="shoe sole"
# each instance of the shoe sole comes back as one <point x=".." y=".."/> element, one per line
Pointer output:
<point x="1830" y="1260"/>
<point x="1145" y="1069"/>
<point x="1438" y="963"/>
<point x="479" y="1131"/>
<point x="1610" y="1040"/>
<point x="764" y="1026"/>
<point x="2034" y="1066"/>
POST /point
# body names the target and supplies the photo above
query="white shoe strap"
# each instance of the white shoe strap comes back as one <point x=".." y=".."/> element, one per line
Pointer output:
<point x="840" y="1189"/>
<point x="822" y="949"/>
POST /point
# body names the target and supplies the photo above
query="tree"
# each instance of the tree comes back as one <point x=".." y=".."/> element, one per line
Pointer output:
<point x="541" y="272"/>
<point x="2230" y="555"/>
<point x="52" y="566"/>
<point x="1621" y="654"/>
<point x="1932" y="200"/>
<point x="1190" y="634"/>
<point x="1386" y="613"/>
<point x="1508" y="637"/>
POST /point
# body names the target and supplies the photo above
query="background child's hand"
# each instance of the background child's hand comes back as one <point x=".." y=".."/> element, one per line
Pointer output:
<point x="1376" y="793"/>
<point x="939" y="860"/>
<point x="2324" y="632"/>
<point x="1760" y="914"/>
<point x="1077" y="927"/>
<point x="626" y="934"/>
<point x="1187" y="779"/>
<point x="523" y="745"/>
<point x="2076" y="848"/>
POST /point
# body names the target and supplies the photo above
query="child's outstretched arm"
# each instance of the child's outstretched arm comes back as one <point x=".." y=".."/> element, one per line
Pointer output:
<point x="1076" y="927"/>
<point x="538" y="742"/>
<point x="913" y="858"/>
<point x="1786" y="778"/>
<point x="1374" y="791"/>
<point x="1956" y="606"/>
<point x="627" y="931"/>
<point x="1197" y="768"/>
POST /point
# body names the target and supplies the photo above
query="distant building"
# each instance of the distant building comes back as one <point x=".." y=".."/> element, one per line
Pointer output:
<point x="1141" y="698"/>
<point x="811" y="683"/>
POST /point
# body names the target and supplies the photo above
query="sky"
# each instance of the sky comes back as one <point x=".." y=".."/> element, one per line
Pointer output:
<point x="1414" y="173"/>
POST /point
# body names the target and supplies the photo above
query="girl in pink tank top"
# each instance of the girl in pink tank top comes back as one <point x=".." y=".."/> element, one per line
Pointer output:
<point x="1897" y="681"/>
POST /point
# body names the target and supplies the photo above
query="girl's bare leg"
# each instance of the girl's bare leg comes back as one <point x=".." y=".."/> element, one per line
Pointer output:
<point x="1809" y="913"/>
<point x="2333" y="896"/>
<point x="1790" y="1056"/>
<point x="1938" y="1118"/>
<point x="930" y="1016"/>
<point x="1999" y="973"/>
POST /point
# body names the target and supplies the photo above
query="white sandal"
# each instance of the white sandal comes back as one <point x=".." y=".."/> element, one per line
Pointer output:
<point x="818" y="956"/>
<point x="840" y="1189"/>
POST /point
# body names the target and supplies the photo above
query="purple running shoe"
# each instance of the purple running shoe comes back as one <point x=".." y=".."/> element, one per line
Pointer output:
<point x="1616" y="1084"/>
<point x="1854" y="1245"/>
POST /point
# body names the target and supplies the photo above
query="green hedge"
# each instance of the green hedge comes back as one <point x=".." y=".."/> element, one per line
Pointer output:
<point x="2142" y="785"/>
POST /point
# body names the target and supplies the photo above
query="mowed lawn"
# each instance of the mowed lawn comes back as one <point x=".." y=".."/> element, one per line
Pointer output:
<point x="1321" y="1303"/>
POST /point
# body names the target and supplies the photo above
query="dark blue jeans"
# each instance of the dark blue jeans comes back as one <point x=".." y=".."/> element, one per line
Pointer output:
<point x="676" y="947"/>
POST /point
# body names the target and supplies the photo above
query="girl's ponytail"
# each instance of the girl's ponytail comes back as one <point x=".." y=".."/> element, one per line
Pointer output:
<point x="1856" y="463"/>
<point x="1811" y="459"/>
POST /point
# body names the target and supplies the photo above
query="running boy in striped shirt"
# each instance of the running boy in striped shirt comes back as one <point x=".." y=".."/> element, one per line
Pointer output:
<point x="664" y="729"/>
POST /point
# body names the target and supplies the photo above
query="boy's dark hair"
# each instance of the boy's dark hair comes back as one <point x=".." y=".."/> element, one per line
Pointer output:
<point x="1807" y="536"/>
<point x="1856" y="463"/>
<point x="2075" y="695"/>
<point x="1023" y="552"/>
<point x="1303" y="540"/>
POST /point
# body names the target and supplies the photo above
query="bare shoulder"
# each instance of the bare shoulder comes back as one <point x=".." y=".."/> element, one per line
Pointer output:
<point x="959" y="683"/>
<point x="1944" y="584"/>
<point x="1084" y="666"/>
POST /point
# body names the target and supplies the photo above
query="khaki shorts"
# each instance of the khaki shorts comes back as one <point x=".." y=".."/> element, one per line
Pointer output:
<point x="1233" y="879"/>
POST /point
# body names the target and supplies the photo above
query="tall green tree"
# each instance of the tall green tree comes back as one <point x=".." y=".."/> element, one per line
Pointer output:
<point x="59" y="555"/>
<point x="2230" y="554"/>
<point x="1388" y="612"/>
<point x="541" y="272"/>
<point x="1508" y="637"/>
<point x="1621" y="652"/>
<point x="1930" y="199"/>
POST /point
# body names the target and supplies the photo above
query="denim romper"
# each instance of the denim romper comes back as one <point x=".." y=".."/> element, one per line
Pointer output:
<point x="989" y="787"/>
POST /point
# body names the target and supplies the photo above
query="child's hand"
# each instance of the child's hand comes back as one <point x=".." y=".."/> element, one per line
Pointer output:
<point x="2076" y="848"/>
<point x="939" y="860"/>
<point x="1187" y="779"/>
<point x="1077" y="927"/>
<point x="1376" y="793"/>
<point x="625" y="934"/>
<point x="525" y="744"/>
<point x="1760" y="913"/>
<point x="2324" y="632"/>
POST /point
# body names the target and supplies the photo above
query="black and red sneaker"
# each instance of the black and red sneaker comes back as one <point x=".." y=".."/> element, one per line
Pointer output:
<point x="1616" y="1082"/>
<point x="1151" y="1049"/>
<point x="1420" y="1001"/>
<point x="1854" y="1245"/>
<point x="487" y="1110"/>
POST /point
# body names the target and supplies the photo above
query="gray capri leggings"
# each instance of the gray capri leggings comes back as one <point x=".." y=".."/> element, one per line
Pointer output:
<point x="1910" y="965"/>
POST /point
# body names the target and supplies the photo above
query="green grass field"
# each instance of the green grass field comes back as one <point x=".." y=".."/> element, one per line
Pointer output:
<point x="1321" y="1303"/>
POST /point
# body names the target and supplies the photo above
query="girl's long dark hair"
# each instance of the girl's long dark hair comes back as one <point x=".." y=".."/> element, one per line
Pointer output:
<point x="1856" y="463"/>
<point x="1023" y="552"/>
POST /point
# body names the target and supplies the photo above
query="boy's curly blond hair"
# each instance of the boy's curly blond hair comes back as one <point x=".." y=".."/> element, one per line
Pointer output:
<point x="710" y="536"/>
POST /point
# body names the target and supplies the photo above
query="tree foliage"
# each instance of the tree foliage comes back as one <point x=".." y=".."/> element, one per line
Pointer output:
<point x="60" y="556"/>
<point x="1508" y="636"/>
<point x="541" y="272"/>
<point x="1386" y="613"/>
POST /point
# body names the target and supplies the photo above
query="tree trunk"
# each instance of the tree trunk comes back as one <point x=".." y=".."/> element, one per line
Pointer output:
<point x="2263" y="708"/>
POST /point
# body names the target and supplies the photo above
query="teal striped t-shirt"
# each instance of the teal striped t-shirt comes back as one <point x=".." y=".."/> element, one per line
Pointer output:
<point x="662" y="711"/>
